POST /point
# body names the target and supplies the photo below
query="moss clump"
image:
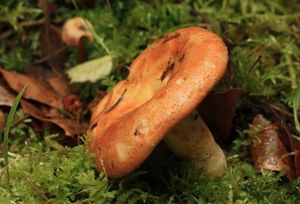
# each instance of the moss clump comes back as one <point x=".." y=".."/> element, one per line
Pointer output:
<point x="68" y="176"/>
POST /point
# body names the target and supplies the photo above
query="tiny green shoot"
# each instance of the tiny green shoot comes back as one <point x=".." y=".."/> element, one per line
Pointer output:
<point x="7" y="128"/>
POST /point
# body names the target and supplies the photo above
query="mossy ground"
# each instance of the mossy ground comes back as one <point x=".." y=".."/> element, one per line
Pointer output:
<point x="264" y="44"/>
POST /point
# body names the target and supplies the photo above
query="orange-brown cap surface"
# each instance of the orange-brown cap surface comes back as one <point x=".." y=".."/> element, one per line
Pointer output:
<point x="75" y="29"/>
<point x="166" y="82"/>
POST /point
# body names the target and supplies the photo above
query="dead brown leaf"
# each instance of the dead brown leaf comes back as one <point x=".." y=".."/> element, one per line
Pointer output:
<point x="292" y="144"/>
<point x="52" y="48"/>
<point x="6" y="96"/>
<point x="38" y="72"/>
<point x="267" y="150"/>
<point x="57" y="81"/>
<point x="72" y="103"/>
<point x="2" y="121"/>
<point x="60" y="85"/>
<point x="70" y="126"/>
<point x="36" y="90"/>
<point x="297" y="162"/>
<point x="218" y="111"/>
<point x="46" y="7"/>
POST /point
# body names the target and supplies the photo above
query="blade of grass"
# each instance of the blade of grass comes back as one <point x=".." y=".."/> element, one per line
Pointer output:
<point x="6" y="132"/>
<point x="296" y="100"/>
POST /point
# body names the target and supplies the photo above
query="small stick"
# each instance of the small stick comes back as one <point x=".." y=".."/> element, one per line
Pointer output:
<point x="38" y="190"/>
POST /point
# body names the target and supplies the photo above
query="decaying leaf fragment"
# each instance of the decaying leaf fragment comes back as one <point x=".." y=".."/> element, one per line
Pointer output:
<point x="36" y="90"/>
<point x="92" y="70"/>
<point x="6" y="97"/>
<point x="52" y="47"/>
<point x="70" y="126"/>
<point x="53" y="95"/>
<point x="267" y="150"/>
<point x="218" y="111"/>
<point x="2" y="121"/>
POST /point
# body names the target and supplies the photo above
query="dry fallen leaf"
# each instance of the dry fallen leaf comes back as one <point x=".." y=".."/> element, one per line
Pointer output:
<point x="56" y="81"/>
<point x="218" y="110"/>
<point x="266" y="149"/>
<point x="36" y="90"/>
<point x="52" y="47"/>
<point x="92" y="70"/>
<point x="6" y="96"/>
<point x="297" y="162"/>
<point x="2" y="121"/>
<point x="59" y="85"/>
<point x="70" y="126"/>
<point x="292" y="144"/>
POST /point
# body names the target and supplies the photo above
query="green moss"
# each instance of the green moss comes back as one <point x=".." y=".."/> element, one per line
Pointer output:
<point x="264" y="46"/>
<point x="69" y="176"/>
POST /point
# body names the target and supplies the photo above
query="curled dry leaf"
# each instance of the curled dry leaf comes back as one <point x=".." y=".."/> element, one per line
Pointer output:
<point x="36" y="90"/>
<point x="70" y="126"/>
<point x="2" y="121"/>
<point x="59" y="84"/>
<point x="218" y="111"/>
<point x="46" y="7"/>
<point x="52" y="47"/>
<point x="297" y="162"/>
<point x="267" y="150"/>
<point x="72" y="103"/>
<point x="6" y="96"/>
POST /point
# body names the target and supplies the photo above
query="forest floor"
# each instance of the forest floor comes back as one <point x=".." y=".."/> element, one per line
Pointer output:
<point x="43" y="157"/>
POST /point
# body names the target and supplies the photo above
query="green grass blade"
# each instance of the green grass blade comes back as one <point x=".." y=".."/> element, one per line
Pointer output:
<point x="7" y="128"/>
<point x="296" y="101"/>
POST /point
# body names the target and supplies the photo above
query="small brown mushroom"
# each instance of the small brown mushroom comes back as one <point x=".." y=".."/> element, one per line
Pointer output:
<point x="166" y="83"/>
<point x="74" y="30"/>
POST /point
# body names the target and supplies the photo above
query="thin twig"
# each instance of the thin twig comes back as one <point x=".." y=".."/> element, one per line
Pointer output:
<point x="50" y="55"/>
<point x="38" y="190"/>
<point x="24" y="24"/>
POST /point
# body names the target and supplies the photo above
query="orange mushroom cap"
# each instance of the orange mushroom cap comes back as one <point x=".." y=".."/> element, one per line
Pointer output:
<point x="75" y="29"/>
<point x="166" y="82"/>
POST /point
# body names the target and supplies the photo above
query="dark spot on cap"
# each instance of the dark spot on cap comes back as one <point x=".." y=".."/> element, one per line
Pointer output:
<point x="181" y="58"/>
<point x="168" y="70"/>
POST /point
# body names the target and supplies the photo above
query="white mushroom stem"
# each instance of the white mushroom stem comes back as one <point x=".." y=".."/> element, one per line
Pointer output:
<point x="191" y="140"/>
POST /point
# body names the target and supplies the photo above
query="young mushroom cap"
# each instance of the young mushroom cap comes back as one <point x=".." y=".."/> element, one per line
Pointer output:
<point x="165" y="84"/>
<point x="75" y="29"/>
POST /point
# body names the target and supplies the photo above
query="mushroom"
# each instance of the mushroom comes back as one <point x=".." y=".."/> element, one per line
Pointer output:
<point x="73" y="31"/>
<point x="167" y="81"/>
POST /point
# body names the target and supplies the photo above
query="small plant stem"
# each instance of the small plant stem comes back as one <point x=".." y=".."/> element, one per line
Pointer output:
<point x="292" y="71"/>
<point x="38" y="190"/>
<point x="6" y="132"/>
